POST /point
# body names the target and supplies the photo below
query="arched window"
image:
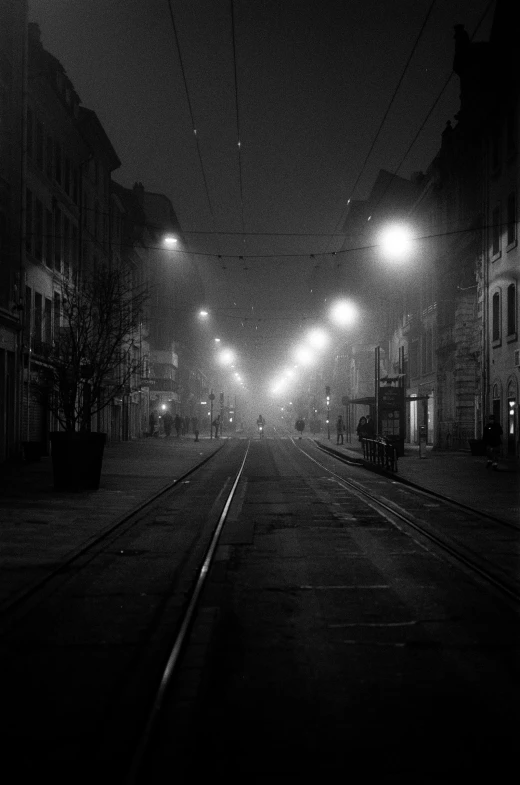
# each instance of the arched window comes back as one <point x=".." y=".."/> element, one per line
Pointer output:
<point x="496" y="316"/>
<point x="511" y="309"/>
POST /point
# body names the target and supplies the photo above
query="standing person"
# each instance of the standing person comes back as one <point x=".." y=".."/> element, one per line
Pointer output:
<point x="178" y="424"/>
<point x="152" y="419"/>
<point x="361" y="429"/>
<point x="216" y="425"/>
<point x="492" y="438"/>
<point x="340" y="430"/>
<point x="370" y="430"/>
<point x="168" y="422"/>
<point x="300" y="426"/>
<point x="195" y="427"/>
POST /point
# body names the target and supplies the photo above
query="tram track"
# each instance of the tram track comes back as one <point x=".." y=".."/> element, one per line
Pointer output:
<point x="476" y="564"/>
<point x="153" y="607"/>
<point x="114" y="529"/>
<point x="170" y="635"/>
<point x="419" y="488"/>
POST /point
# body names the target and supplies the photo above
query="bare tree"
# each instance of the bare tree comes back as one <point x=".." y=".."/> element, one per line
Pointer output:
<point x="93" y="357"/>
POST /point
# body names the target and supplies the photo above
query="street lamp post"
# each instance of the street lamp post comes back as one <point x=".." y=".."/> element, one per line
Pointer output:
<point x="211" y="398"/>
<point x="327" y="393"/>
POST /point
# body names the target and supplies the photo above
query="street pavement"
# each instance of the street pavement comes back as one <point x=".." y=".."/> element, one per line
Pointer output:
<point x="455" y="474"/>
<point x="41" y="528"/>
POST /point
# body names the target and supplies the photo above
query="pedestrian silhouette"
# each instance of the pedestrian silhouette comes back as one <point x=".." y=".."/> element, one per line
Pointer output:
<point x="340" y="430"/>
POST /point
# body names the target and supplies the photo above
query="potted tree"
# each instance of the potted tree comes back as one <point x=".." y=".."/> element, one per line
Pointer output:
<point x="92" y="362"/>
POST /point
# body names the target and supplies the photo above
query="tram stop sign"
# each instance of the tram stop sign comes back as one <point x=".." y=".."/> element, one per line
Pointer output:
<point x="212" y="396"/>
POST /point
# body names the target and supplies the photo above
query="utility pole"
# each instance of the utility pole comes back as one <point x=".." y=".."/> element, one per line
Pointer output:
<point x="327" y="394"/>
<point x="211" y="398"/>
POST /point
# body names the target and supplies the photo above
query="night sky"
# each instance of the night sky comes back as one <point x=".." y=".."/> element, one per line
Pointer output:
<point x="314" y="79"/>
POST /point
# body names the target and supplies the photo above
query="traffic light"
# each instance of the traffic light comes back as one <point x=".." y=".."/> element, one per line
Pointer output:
<point x="327" y="393"/>
<point x="222" y="399"/>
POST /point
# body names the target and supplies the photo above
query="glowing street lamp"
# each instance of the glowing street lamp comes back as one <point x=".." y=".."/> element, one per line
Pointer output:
<point x="318" y="338"/>
<point x="226" y="357"/>
<point x="170" y="241"/>
<point x="396" y="241"/>
<point x="343" y="313"/>
<point x="304" y="355"/>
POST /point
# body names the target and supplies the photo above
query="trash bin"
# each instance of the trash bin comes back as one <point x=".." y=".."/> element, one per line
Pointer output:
<point x="398" y="443"/>
<point x="32" y="451"/>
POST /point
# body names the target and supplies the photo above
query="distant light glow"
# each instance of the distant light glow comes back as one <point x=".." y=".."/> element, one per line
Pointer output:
<point x="318" y="338"/>
<point x="226" y="357"/>
<point x="304" y="355"/>
<point x="343" y="313"/>
<point x="170" y="241"/>
<point x="203" y="313"/>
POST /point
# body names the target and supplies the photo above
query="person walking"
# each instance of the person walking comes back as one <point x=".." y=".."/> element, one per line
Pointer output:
<point x="340" y="430"/>
<point x="152" y="421"/>
<point x="216" y="425"/>
<point x="178" y="425"/>
<point x="300" y="426"/>
<point x="492" y="438"/>
<point x="167" y="422"/>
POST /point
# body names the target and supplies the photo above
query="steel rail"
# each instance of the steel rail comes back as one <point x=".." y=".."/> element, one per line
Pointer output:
<point x="418" y="488"/>
<point x="113" y="527"/>
<point x="511" y="593"/>
<point x="181" y="636"/>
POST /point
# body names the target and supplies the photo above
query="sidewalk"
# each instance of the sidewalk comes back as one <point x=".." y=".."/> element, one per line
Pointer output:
<point x="458" y="475"/>
<point x="40" y="527"/>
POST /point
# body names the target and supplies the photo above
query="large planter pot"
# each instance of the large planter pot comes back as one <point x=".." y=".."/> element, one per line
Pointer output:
<point x="32" y="451"/>
<point x="76" y="460"/>
<point x="477" y="447"/>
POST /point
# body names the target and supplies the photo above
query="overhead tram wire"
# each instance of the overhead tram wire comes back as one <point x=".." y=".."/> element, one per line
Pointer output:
<point x="421" y="127"/>
<point x="192" y="117"/>
<point x="343" y="215"/>
<point x="237" y="112"/>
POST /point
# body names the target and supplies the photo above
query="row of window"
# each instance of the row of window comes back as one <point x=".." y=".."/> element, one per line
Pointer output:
<point x="50" y="236"/>
<point x="420" y="360"/>
<point x="511" y="313"/>
<point x="47" y="154"/>
<point x="42" y="317"/>
<point x="496" y="226"/>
